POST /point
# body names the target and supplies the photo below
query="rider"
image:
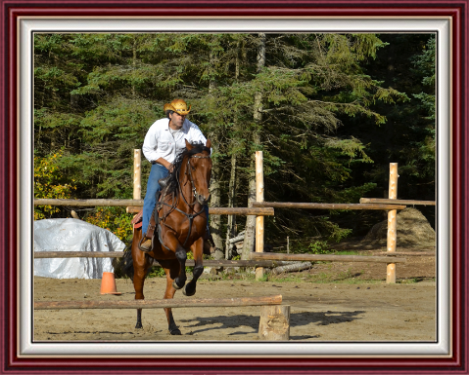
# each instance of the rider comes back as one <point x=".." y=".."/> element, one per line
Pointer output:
<point x="164" y="141"/>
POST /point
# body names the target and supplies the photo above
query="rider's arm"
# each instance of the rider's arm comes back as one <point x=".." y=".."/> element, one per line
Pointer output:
<point x="150" y="144"/>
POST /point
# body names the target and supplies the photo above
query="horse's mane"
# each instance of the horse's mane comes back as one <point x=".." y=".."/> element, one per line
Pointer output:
<point x="197" y="148"/>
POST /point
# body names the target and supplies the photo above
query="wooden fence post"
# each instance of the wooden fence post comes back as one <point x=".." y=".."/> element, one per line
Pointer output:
<point x="137" y="180"/>
<point x="137" y="174"/>
<point x="274" y="324"/>
<point x="392" y="223"/>
<point x="259" y="219"/>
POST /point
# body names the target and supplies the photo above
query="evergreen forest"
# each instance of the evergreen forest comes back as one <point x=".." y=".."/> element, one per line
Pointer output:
<point x="329" y="112"/>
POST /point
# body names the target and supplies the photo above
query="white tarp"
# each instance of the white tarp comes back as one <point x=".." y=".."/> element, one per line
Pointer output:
<point x="73" y="235"/>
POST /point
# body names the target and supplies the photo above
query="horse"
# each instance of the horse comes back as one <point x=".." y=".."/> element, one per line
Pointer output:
<point x="182" y="225"/>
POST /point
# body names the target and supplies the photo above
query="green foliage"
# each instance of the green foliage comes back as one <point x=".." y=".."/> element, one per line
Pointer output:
<point x="48" y="183"/>
<point x="319" y="247"/>
<point x="156" y="272"/>
<point x="114" y="219"/>
<point x="335" y="110"/>
<point x="425" y="64"/>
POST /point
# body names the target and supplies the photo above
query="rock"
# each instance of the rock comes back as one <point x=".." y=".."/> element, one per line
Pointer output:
<point x="413" y="231"/>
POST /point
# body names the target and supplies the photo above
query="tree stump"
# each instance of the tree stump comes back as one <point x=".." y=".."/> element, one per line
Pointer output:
<point x="274" y="324"/>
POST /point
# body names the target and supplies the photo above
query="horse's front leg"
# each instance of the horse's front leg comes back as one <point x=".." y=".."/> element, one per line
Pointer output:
<point x="197" y="249"/>
<point x="173" y="244"/>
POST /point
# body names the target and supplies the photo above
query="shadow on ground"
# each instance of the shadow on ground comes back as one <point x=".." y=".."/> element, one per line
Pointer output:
<point x="241" y="320"/>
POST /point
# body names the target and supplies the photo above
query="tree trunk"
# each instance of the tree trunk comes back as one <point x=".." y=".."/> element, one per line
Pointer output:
<point x="134" y="62"/>
<point x="215" y="201"/>
<point x="248" y="245"/>
<point x="215" y="190"/>
<point x="231" y="226"/>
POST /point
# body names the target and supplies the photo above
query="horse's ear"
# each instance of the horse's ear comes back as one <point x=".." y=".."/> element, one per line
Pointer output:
<point x="209" y="144"/>
<point x="188" y="145"/>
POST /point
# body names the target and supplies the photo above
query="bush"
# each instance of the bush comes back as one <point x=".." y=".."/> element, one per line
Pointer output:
<point x="114" y="219"/>
<point x="317" y="247"/>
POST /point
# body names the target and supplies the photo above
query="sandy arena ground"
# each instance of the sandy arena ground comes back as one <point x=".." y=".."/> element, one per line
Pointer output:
<point x="331" y="302"/>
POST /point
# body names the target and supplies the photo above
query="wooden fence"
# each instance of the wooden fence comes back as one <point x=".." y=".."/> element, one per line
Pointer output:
<point x="261" y="208"/>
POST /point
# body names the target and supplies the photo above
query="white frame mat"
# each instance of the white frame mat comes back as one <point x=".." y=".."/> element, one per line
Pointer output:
<point x="441" y="26"/>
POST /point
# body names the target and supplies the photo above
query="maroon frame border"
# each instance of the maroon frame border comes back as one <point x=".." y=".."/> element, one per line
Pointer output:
<point x="12" y="9"/>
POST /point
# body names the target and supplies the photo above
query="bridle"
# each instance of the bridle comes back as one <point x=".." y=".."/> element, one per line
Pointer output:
<point x="188" y="172"/>
<point x="191" y="179"/>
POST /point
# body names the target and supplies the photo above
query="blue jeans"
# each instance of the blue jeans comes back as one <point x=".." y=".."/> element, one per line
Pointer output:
<point x="157" y="172"/>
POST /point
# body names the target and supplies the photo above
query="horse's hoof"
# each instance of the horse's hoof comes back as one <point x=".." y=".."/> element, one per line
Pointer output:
<point x="186" y="293"/>
<point x="176" y="286"/>
<point x="175" y="332"/>
<point x="138" y="325"/>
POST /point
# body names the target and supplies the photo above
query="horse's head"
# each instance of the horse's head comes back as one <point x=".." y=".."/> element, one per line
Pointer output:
<point x="199" y="169"/>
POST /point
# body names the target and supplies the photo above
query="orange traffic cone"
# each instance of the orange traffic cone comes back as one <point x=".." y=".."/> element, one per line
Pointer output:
<point x="108" y="284"/>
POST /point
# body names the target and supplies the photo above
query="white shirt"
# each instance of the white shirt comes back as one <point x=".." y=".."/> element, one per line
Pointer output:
<point x="159" y="143"/>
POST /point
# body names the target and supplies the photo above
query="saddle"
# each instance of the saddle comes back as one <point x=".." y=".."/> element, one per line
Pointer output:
<point x="154" y="218"/>
<point x="137" y="221"/>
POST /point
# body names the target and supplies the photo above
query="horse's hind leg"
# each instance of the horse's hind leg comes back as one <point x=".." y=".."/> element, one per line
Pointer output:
<point x="139" y="280"/>
<point x="197" y="250"/>
<point x="171" y="269"/>
<point x="141" y="264"/>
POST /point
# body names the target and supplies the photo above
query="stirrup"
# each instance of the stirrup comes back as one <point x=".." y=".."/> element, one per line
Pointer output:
<point x="145" y="249"/>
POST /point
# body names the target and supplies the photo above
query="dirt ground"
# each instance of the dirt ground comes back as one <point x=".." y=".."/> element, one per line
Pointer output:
<point x="330" y="302"/>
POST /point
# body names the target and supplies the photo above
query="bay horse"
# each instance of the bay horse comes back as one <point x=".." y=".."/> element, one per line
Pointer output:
<point x="182" y="225"/>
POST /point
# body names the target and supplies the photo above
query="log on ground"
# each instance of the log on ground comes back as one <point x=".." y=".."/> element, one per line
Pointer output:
<point x="296" y="267"/>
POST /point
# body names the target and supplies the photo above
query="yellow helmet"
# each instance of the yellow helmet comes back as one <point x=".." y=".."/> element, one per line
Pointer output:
<point x="177" y="105"/>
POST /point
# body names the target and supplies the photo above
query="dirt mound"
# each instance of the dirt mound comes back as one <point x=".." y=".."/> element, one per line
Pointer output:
<point x="413" y="231"/>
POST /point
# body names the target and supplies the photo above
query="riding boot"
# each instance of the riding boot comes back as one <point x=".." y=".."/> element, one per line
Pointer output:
<point x="145" y="244"/>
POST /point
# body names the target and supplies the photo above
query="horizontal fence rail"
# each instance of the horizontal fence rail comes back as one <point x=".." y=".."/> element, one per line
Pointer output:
<point x="189" y="262"/>
<point x="157" y="304"/>
<point x="409" y="202"/>
<point x="89" y="202"/>
<point x="137" y="204"/>
<point x="326" y="257"/>
<point x="329" y="206"/>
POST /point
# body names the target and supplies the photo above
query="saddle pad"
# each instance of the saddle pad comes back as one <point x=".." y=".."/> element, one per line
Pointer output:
<point x="137" y="220"/>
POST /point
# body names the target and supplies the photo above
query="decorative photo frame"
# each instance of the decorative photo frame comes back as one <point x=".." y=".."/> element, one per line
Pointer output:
<point x="21" y="20"/>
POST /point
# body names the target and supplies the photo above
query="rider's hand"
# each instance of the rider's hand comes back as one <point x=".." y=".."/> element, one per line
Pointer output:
<point x="170" y="167"/>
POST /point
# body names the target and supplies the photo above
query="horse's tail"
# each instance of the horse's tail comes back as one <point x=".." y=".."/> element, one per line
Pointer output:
<point x="128" y="266"/>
